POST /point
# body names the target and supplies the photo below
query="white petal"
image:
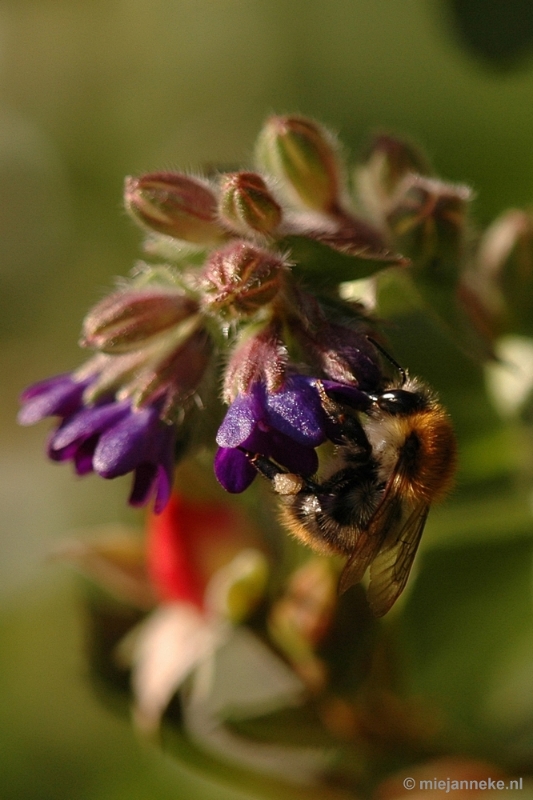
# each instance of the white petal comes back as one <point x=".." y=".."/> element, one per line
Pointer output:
<point x="168" y="645"/>
<point x="247" y="679"/>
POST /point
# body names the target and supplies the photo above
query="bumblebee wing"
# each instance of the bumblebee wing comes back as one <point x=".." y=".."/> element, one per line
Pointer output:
<point x="392" y="564"/>
<point x="385" y="519"/>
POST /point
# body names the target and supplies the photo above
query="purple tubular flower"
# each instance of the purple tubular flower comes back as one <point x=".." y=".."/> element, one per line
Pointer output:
<point x="113" y="439"/>
<point x="285" y="425"/>
<point x="58" y="396"/>
<point x="110" y="438"/>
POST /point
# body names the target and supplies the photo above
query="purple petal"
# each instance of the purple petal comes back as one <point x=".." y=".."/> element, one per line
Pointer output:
<point x="45" y="386"/>
<point x="65" y="454"/>
<point x="245" y="412"/>
<point x="364" y="366"/>
<point x="139" y="442"/>
<point x="57" y="396"/>
<point x="165" y="470"/>
<point x="143" y="483"/>
<point x="233" y="470"/>
<point x="125" y="445"/>
<point x="297" y="412"/>
<point x="87" y="423"/>
<point x="296" y="457"/>
<point x="83" y="457"/>
<point x="350" y="347"/>
<point x="148" y="480"/>
<point x="163" y="487"/>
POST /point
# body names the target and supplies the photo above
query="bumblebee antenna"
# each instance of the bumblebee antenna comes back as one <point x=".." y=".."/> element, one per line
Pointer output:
<point x="389" y="358"/>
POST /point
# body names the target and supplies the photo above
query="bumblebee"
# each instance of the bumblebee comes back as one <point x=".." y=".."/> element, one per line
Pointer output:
<point x="394" y="459"/>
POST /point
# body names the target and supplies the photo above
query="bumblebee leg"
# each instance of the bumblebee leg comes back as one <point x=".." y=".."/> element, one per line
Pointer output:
<point x="284" y="483"/>
<point x="349" y="429"/>
<point x="333" y="410"/>
<point x="264" y="465"/>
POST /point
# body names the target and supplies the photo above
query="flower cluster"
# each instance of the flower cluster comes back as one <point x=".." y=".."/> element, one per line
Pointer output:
<point x="242" y="287"/>
<point x="227" y="306"/>
<point x="118" y="412"/>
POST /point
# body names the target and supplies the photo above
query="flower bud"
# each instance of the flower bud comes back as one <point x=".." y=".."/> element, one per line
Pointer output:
<point x="429" y="223"/>
<point x="428" y="219"/>
<point x="108" y="374"/>
<point x="342" y="352"/>
<point x="240" y="278"/>
<point x="125" y="319"/>
<point x="174" y="204"/>
<point x="246" y="203"/>
<point x="303" y="156"/>
<point x="260" y="357"/>
<point x="387" y="162"/>
<point x="176" y="375"/>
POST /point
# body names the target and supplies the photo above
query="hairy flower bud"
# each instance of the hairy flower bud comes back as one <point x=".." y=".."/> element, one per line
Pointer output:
<point x="246" y="203"/>
<point x="260" y="356"/>
<point x="303" y="156"/>
<point x="429" y="222"/>
<point x="343" y="352"/>
<point x="125" y="319"/>
<point x="388" y="161"/>
<point x="174" y="204"/>
<point x="428" y="219"/>
<point x="240" y="278"/>
<point x="176" y="375"/>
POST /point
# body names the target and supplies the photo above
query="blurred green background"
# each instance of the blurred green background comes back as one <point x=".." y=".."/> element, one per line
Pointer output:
<point x="92" y="90"/>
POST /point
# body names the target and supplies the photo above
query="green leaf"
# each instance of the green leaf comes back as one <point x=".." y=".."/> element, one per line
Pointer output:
<point x="319" y="262"/>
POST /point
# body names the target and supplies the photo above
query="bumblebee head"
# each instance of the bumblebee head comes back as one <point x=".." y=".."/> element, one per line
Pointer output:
<point x="401" y="399"/>
<point x="410" y="398"/>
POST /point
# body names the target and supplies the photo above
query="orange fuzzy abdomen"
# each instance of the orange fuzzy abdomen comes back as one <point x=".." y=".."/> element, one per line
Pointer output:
<point x="427" y="457"/>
